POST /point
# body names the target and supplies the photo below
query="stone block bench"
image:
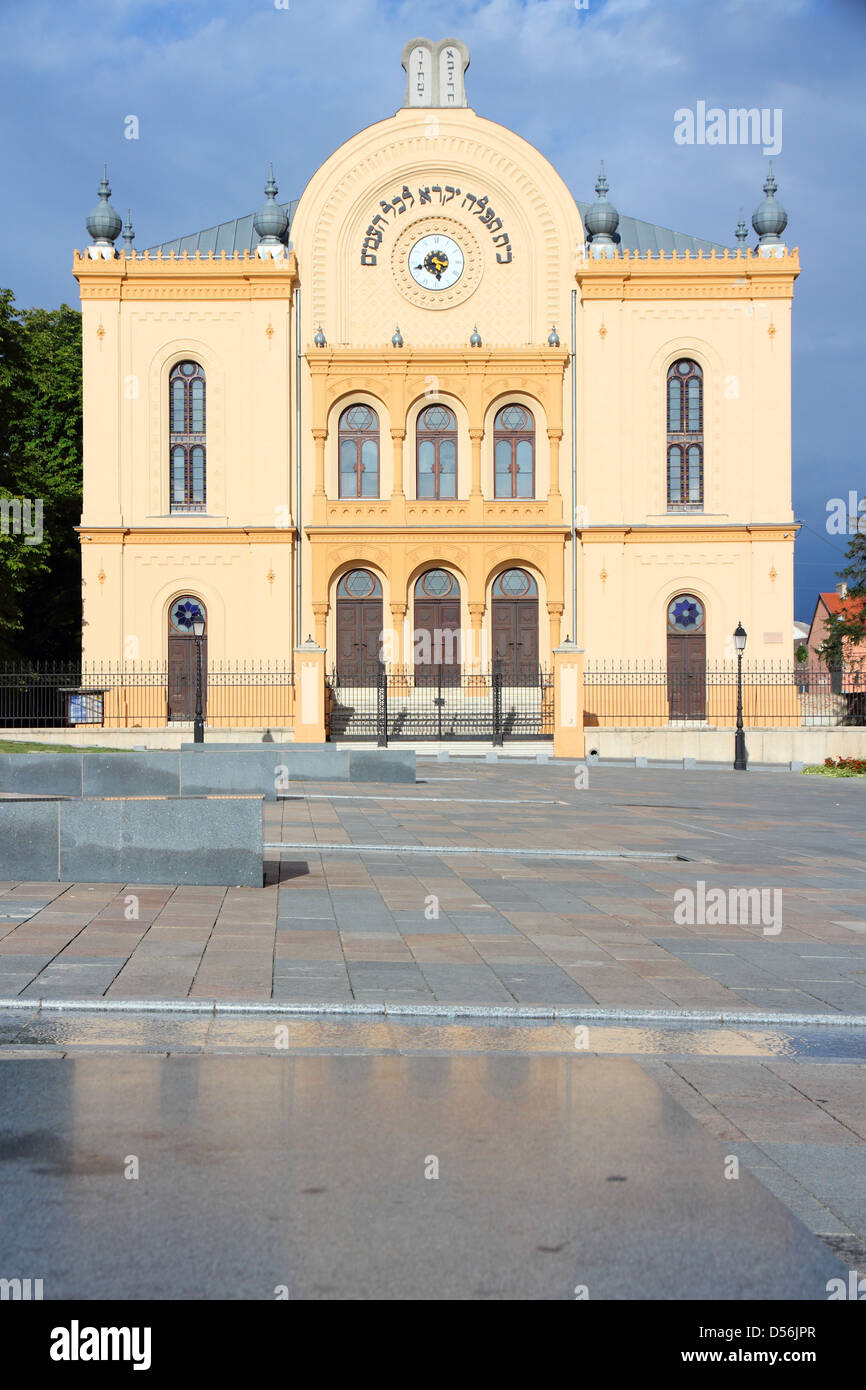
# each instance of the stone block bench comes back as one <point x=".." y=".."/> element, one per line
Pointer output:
<point x="145" y="839"/>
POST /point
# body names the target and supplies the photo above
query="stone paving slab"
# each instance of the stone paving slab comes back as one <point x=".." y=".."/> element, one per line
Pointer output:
<point x="565" y="1202"/>
<point x="464" y="929"/>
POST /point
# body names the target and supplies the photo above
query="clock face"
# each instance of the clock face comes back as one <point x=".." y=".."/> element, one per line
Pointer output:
<point x="436" y="262"/>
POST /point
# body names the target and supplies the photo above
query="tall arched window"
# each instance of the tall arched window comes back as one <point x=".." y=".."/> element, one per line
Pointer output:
<point x="514" y="452"/>
<point x="437" y="452"/>
<point x="685" y="436"/>
<point x="187" y="439"/>
<point x="359" y="452"/>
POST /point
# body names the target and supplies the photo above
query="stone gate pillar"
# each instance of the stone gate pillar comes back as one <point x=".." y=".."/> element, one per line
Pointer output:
<point x="310" y="693"/>
<point x="568" y="736"/>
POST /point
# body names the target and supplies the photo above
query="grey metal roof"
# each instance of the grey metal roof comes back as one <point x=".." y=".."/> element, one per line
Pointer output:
<point x="634" y="235"/>
<point x="240" y="235"/>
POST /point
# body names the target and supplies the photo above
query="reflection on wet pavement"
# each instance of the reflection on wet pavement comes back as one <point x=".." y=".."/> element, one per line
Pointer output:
<point x="381" y="1177"/>
<point x="270" y="1033"/>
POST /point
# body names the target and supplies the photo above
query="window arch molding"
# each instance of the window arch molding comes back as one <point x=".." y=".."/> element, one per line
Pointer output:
<point x="187" y="423"/>
<point x="717" y="422"/>
<point x="464" y="450"/>
<point x="159" y="423"/>
<point x="359" y="451"/>
<point x="685" y="391"/>
<point x="542" y="444"/>
<point x="336" y="409"/>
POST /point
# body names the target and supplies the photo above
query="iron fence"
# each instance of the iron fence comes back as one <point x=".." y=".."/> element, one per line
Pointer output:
<point x="650" y="695"/>
<point x="443" y="702"/>
<point x="130" y="695"/>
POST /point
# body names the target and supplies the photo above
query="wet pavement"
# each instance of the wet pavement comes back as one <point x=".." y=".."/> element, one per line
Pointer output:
<point x="381" y="1176"/>
<point x="239" y="1121"/>
<point x="493" y="886"/>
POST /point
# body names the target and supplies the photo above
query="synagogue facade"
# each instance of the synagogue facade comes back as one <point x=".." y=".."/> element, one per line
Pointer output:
<point x="437" y="410"/>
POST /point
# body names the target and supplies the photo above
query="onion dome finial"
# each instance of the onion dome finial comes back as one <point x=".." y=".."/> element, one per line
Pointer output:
<point x="103" y="223"/>
<point x="602" y="218"/>
<point x="769" y="218"/>
<point x="271" y="222"/>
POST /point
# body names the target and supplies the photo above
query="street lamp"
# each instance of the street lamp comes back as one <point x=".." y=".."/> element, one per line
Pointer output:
<point x="198" y="633"/>
<point x="740" y="759"/>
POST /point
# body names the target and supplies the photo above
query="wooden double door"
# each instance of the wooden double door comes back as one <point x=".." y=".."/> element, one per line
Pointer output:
<point x="515" y="636"/>
<point x="359" y="635"/>
<point x="687" y="675"/>
<point x="181" y="676"/>
<point x="437" y="640"/>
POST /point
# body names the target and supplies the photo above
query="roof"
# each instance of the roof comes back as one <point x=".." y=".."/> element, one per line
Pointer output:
<point x="240" y="235"/>
<point x="848" y="607"/>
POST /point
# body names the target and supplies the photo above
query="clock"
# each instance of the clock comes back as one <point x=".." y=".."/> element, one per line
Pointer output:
<point x="436" y="262"/>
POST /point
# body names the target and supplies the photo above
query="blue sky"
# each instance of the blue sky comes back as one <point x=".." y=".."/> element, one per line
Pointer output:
<point x="220" y="87"/>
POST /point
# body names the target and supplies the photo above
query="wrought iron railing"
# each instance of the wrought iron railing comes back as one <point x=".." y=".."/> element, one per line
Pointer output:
<point x="649" y="695"/>
<point x="442" y="702"/>
<point x="239" y="694"/>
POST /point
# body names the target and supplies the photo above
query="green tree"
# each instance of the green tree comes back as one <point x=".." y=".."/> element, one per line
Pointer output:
<point x="846" y="630"/>
<point x="40" y="482"/>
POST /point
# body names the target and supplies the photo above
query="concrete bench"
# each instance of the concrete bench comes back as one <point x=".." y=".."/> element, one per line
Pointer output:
<point x="191" y="840"/>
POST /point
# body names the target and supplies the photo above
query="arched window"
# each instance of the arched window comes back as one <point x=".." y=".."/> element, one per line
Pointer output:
<point x="437" y="452"/>
<point x="359" y="452"/>
<point x="187" y="437"/>
<point x="685" y="437"/>
<point x="514" y="452"/>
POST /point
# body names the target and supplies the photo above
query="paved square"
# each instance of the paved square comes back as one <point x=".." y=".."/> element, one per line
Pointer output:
<point x="493" y="885"/>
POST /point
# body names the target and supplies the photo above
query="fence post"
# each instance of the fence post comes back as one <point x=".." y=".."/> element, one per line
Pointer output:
<point x="568" y="736"/>
<point x="381" y="705"/>
<point x="310" y="693"/>
<point x="497" y="702"/>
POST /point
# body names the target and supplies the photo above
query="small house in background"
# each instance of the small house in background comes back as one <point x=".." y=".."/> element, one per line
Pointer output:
<point x="834" y="603"/>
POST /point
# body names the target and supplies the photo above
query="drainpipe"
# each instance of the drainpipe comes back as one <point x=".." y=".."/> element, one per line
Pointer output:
<point x="298" y="532"/>
<point x="573" y="467"/>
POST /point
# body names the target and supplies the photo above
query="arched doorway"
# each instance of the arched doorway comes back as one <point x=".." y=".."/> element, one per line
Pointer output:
<point x="686" y="658"/>
<point x="359" y="627"/>
<point x="436" y="638"/>
<point x="181" y="657"/>
<point x="515" y="624"/>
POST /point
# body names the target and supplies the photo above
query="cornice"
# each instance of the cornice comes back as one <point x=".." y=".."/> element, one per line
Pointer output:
<point x="186" y="535"/>
<point x="473" y="360"/>
<point x="242" y="276"/>
<point x="663" y="535"/>
<point x="344" y="535"/>
<point x="735" y="275"/>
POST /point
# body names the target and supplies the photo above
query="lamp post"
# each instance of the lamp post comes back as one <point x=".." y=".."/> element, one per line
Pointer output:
<point x="740" y="759"/>
<point x="198" y="632"/>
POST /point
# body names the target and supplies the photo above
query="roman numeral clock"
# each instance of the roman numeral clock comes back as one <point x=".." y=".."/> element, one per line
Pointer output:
<point x="436" y="262"/>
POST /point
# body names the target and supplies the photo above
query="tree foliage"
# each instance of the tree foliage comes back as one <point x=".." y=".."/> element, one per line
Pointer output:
<point x="40" y="482"/>
<point x="845" y="631"/>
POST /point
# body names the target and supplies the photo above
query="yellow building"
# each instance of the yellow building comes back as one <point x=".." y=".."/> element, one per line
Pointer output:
<point x="436" y="412"/>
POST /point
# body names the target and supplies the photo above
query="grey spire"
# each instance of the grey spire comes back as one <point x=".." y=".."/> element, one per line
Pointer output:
<point x="475" y="340"/>
<point x="553" y="337"/>
<point x="128" y="233"/>
<point x="271" y="222"/>
<point x="769" y="218"/>
<point x="397" y="339"/>
<point x="319" y="339"/>
<point x="602" y="219"/>
<point x="742" y="230"/>
<point x="103" y="223"/>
